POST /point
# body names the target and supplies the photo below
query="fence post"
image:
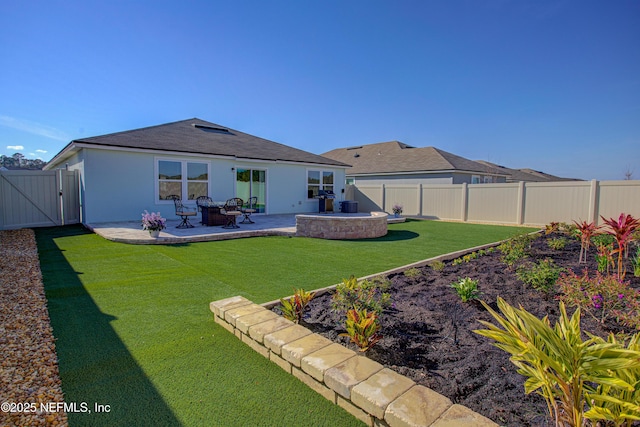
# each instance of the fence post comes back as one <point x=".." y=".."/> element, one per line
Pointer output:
<point x="464" y="202"/>
<point x="419" y="199"/>
<point x="520" y="207"/>
<point x="383" y="197"/>
<point x="593" y="201"/>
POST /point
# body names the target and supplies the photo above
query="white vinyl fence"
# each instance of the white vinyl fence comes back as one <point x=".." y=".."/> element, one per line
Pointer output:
<point x="38" y="198"/>
<point x="521" y="203"/>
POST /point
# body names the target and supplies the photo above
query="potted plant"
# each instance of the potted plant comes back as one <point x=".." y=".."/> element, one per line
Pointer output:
<point x="153" y="222"/>
<point x="397" y="210"/>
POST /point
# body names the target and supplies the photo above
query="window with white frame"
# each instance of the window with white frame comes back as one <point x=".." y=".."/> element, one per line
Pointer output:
<point x="318" y="180"/>
<point x="186" y="179"/>
<point x="475" y="179"/>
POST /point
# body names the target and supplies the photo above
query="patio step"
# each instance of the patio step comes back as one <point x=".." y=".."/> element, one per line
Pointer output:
<point x="372" y="393"/>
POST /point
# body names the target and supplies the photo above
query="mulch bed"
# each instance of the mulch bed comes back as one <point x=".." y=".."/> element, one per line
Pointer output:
<point x="428" y="332"/>
<point x="29" y="375"/>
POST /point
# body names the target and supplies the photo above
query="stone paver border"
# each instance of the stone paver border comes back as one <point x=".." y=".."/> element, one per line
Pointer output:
<point x="372" y="393"/>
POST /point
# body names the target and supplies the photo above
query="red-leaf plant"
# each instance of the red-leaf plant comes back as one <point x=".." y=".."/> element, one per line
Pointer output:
<point x="622" y="230"/>
<point x="586" y="230"/>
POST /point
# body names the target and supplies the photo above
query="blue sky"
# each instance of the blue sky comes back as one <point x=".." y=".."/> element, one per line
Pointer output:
<point x="549" y="85"/>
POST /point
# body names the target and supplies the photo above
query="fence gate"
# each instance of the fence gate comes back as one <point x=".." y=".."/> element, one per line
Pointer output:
<point x="39" y="198"/>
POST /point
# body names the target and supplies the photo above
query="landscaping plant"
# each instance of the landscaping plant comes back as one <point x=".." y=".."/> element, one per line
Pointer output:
<point x="557" y="363"/>
<point x="604" y="258"/>
<point x="437" y="265"/>
<point x="365" y="294"/>
<point x="362" y="327"/>
<point x="466" y="288"/>
<point x="557" y="243"/>
<point x="541" y="276"/>
<point x="636" y="263"/>
<point x="603" y="297"/>
<point x="621" y="406"/>
<point x="622" y="230"/>
<point x="293" y="307"/>
<point x="551" y="227"/>
<point x="413" y="273"/>
<point x="515" y="249"/>
<point x="586" y="230"/>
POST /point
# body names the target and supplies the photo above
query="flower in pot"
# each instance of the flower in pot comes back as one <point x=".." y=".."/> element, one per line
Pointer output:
<point x="153" y="222"/>
<point x="397" y="209"/>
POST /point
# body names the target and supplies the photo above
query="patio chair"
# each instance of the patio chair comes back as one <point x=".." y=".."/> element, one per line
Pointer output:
<point x="250" y="209"/>
<point x="184" y="212"/>
<point x="231" y="210"/>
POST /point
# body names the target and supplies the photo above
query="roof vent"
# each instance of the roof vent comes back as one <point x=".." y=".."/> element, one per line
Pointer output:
<point x="356" y="155"/>
<point x="210" y="128"/>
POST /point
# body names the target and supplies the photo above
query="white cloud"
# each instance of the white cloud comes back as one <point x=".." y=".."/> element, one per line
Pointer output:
<point x="41" y="151"/>
<point x="33" y="127"/>
<point x="15" y="147"/>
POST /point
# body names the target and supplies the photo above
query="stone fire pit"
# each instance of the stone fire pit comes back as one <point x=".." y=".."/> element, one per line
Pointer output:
<point x="340" y="226"/>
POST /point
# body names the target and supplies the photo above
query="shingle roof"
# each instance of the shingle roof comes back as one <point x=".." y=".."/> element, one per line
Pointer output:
<point x="394" y="156"/>
<point x="196" y="136"/>
<point x="529" y="175"/>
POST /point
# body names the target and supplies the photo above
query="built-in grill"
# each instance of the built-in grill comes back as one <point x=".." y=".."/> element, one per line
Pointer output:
<point x="325" y="201"/>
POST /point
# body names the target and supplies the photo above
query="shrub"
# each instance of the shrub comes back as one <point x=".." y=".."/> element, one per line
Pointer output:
<point x="413" y="273"/>
<point x="362" y="327"/>
<point x="293" y="308"/>
<point x="551" y="227"/>
<point x="559" y="365"/>
<point x="467" y="289"/>
<point x="515" y="249"/>
<point x="456" y="261"/>
<point x="437" y="265"/>
<point x="603" y="297"/>
<point x="541" y="276"/>
<point x="371" y="295"/>
<point x="569" y="229"/>
<point x="557" y="243"/>
<point x="636" y="263"/>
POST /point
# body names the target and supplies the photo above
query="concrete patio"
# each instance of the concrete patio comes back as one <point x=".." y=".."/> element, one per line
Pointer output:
<point x="132" y="232"/>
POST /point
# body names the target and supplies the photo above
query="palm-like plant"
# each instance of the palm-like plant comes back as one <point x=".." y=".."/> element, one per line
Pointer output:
<point x="620" y="406"/>
<point x="558" y="364"/>
<point x="622" y="230"/>
<point x="586" y="230"/>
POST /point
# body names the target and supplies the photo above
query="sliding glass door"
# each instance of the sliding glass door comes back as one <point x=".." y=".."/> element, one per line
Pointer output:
<point x="252" y="183"/>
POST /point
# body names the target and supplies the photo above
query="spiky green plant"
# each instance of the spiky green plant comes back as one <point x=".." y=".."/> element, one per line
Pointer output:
<point x="558" y="364"/>
<point x="618" y="405"/>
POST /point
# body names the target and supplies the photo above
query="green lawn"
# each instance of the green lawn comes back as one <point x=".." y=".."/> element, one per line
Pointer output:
<point x="134" y="330"/>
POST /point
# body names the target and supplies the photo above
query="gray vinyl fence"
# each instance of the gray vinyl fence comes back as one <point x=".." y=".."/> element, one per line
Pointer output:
<point x="520" y="203"/>
<point x="39" y="198"/>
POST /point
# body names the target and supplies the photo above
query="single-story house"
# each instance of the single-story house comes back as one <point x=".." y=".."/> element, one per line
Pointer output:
<point x="122" y="174"/>
<point x="397" y="163"/>
<point x="525" y="174"/>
